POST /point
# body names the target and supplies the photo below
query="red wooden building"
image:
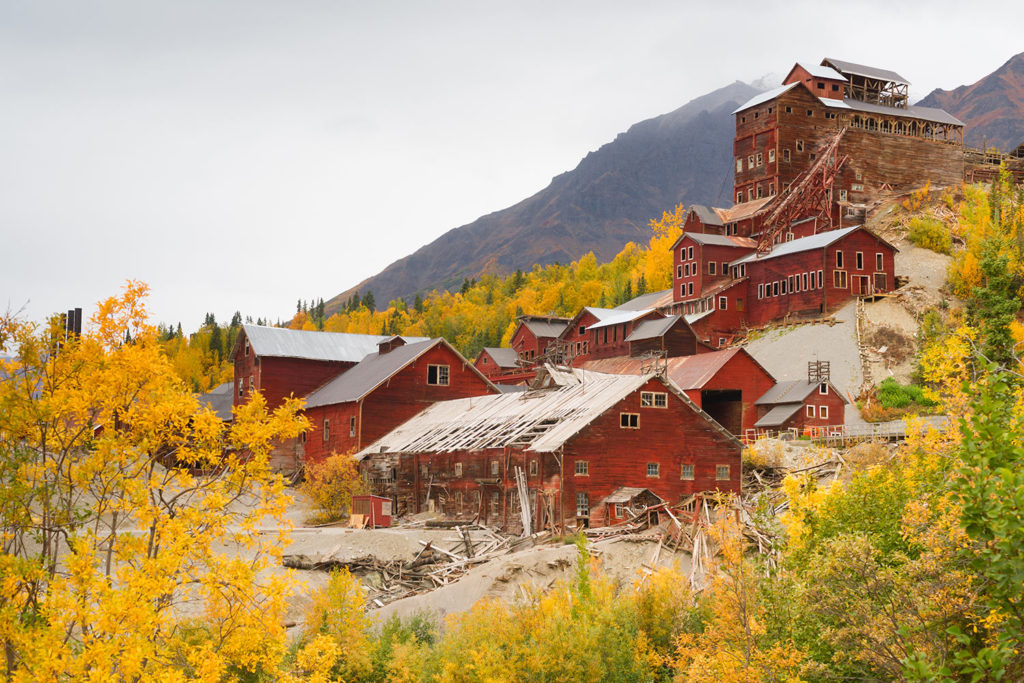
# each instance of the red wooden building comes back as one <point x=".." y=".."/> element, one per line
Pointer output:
<point x="800" y="404"/>
<point x="279" y="362"/>
<point x="503" y="366"/>
<point x="534" y="334"/>
<point x="601" y="333"/>
<point x="725" y="384"/>
<point x="384" y="390"/>
<point x="576" y="443"/>
<point x="889" y="143"/>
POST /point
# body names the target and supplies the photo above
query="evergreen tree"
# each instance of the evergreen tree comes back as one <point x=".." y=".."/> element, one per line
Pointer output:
<point x="995" y="303"/>
<point x="418" y="303"/>
<point x="216" y="342"/>
<point x="641" y="285"/>
<point x="178" y="333"/>
<point x="236" y="319"/>
<point x="368" y="301"/>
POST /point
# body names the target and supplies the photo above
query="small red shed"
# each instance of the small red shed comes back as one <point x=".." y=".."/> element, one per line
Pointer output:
<point x="375" y="509"/>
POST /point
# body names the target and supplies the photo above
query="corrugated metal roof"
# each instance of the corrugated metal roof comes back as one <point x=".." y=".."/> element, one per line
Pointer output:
<point x="851" y="69"/>
<point x="624" y="494"/>
<point x="777" y="416"/>
<point x="686" y="372"/>
<point x="822" y="71"/>
<point x="371" y="372"/>
<point x="331" y="346"/>
<point x="539" y="421"/>
<point x="707" y="215"/>
<point x="652" y="329"/>
<point x="763" y="97"/>
<point x="220" y="399"/>
<point x="613" y="316"/>
<point x="745" y="210"/>
<point x="503" y="358"/>
<point x="545" y="327"/>
<point x="822" y="239"/>
<point x="691" y="318"/>
<point x="722" y="240"/>
<point x="912" y="112"/>
<point x="788" y="391"/>
<point x="647" y="301"/>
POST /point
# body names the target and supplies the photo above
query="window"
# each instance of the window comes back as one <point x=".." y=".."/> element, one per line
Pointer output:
<point x="796" y="283"/>
<point x="653" y="399"/>
<point x="533" y="468"/>
<point x="760" y="291"/>
<point x="682" y="254"/>
<point x="583" y="329"/>
<point x="750" y="195"/>
<point x="810" y="112"/>
<point x="653" y="469"/>
<point x="821" y="280"/>
<point x="783" y="291"/>
<point x="247" y="346"/>
<point x="725" y="267"/>
<point x="721" y="341"/>
<point x="771" y="156"/>
<point x="689" y="252"/>
<point x="823" y="388"/>
<point x="252" y="384"/>
<point x="352" y="426"/>
<point x="775" y="288"/>
<point x="804" y="277"/>
<point x="789" y="285"/>
<point x="799" y="145"/>
<point x="302" y="437"/>
<point x="835" y="87"/>
<point x="620" y="511"/>
<point x="839" y="259"/>
<point x="842" y="195"/>
<point x="327" y="430"/>
<point x="458" y="469"/>
<point x="711" y="267"/>
<point x="722" y="472"/>
<point x="860" y="260"/>
<point x="686" y="473"/>
<point x="739" y="197"/>
<point x="823" y="412"/>
<point x="819" y="85"/>
<point x="495" y="502"/>
<point x="878" y="261"/>
<point x="771" y="189"/>
<point x="682" y="290"/>
<point x="689" y="289"/>
<point x="241" y="386"/>
<point x="789" y="110"/>
<point x="437" y="375"/>
<point x="583" y="504"/>
<point x="839" y="279"/>
<point x="785" y="154"/>
<point x="679" y="274"/>
<point x="582" y="468"/>
<point x="686" y="270"/>
<point x="494" y="468"/>
<point x="723" y="303"/>
<point x="809" y="411"/>
<point x="739" y="165"/>
<point x="760" y="159"/>
<point x="750" y="161"/>
<point x="629" y="420"/>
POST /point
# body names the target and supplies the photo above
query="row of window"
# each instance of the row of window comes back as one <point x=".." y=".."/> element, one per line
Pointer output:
<point x="757" y="192"/>
<point x="791" y="284"/>
<point x="241" y="385"/>
<point x="859" y="259"/>
<point x="686" y="472"/>
<point x="755" y="160"/>
<point x="822" y="411"/>
<point x="326" y="432"/>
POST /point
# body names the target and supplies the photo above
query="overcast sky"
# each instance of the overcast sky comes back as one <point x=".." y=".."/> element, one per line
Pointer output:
<point x="242" y="155"/>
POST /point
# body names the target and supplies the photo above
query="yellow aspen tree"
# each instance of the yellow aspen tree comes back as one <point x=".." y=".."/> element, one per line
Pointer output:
<point x="131" y="518"/>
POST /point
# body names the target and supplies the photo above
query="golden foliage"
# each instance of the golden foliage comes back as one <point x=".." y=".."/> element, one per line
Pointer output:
<point x="119" y="561"/>
<point x="330" y="485"/>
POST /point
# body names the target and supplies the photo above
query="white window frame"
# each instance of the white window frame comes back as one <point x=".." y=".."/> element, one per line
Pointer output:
<point x="458" y="469"/>
<point x="653" y="470"/>
<point x="442" y="375"/>
<point x="582" y="504"/>
<point x="653" y="399"/>
<point x="822" y="412"/>
<point x="809" y="410"/>
<point x="687" y="469"/>
<point x="352" y="426"/>
<point x="495" y="468"/>
<point x="723" y="303"/>
<point x="720" y="469"/>
<point x="327" y="429"/>
<point x="711" y="268"/>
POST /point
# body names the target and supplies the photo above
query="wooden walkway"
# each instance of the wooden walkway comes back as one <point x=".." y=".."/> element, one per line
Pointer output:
<point x="840" y="435"/>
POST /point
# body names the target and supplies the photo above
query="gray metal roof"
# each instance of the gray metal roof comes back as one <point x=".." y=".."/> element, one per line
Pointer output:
<point x="624" y="494"/>
<point x="706" y="214"/>
<point x="822" y="239"/>
<point x="851" y="69"/>
<point x="912" y="112"/>
<point x="331" y="346"/>
<point x="504" y="358"/>
<point x="792" y="391"/>
<point x="764" y="97"/>
<point x="539" y="421"/>
<point x="220" y="399"/>
<point x="652" y="329"/>
<point x="822" y="71"/>
<point x="615" y="316"/>
<point x="777" y="416"/>
<point x="371" y="372"/>
<point x="545" y="326"/>
<point x="646" y="301"/>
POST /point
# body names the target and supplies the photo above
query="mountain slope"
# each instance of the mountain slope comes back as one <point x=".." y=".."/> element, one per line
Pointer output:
<point x="992" y="108"/>
<point x="684" y="156"/>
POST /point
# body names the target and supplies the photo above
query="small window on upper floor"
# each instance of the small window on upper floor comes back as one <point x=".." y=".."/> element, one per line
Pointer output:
<point x="629" y="420"/>
<point x="437" y="375"/>
<point x="771" y="156"/>
<point x="785" y="155"/>
<point x="823" y="388"/>
<point x="247" y="346"/>
<point x="739" y="165"/>
<point x="799" y="145"/>
<point x="653" y="399"/>
<point x="711" y="267"/>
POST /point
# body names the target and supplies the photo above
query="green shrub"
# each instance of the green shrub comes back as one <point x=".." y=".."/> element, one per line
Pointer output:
<point x="930" y="233"/>
<point x="892" y="394"/>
